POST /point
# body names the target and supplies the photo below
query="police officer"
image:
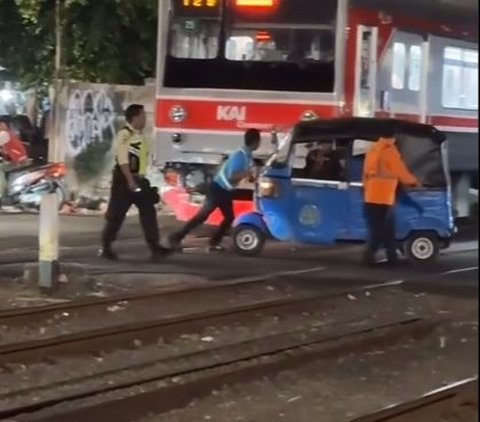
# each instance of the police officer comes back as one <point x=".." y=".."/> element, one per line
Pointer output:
<point x="383" y="171"/>
<point x="220" y="195"/>
<point x="129" y="186"/>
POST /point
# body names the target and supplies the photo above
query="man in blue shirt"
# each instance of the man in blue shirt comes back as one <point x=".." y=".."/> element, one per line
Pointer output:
<point x="220" y="193"/>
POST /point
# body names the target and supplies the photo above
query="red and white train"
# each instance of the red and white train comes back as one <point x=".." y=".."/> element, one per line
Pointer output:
<point x="226" y="65"/>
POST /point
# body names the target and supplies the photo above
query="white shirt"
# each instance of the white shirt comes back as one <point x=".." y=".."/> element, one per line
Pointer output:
<point x="4" y="137"/>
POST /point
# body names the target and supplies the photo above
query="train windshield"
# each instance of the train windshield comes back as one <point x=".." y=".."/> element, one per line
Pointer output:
<point x="279" y="45"/>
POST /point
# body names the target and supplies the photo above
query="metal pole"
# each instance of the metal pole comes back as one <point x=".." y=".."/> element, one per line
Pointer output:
<point x="49" y="222"/>
<point x="58" y="38"/>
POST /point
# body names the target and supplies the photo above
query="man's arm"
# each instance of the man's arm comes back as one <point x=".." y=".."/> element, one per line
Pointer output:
<point x="121" y="153"/>
<point x="400" y="170"/>
<point x="240" y="169"/>
<point x="240" y="175"/>
<point x="150" y="153"/>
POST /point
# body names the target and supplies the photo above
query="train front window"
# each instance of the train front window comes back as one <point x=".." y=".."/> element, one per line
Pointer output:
<point x="290" y="31"/>
<point x="194" y="39"/>
<point x="195" y="29"/>
<point x="269" y="44"/>
<point x="238" y="44"/>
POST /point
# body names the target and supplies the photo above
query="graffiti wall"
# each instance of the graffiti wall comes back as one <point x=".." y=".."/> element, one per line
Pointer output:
<point x="91" y="114"/>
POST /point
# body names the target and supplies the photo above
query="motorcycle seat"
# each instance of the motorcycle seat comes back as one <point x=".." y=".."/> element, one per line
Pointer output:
<point x="9" y="171"/>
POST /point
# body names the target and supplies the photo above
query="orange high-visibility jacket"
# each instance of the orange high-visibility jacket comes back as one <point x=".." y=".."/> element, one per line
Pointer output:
<point x="382" y="171"/>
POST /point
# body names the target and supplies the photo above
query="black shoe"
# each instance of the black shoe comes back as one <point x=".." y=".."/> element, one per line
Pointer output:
<point x="392" y="263"/>
<point x="369" y="260"/>
<point x="175" y="242"/>
<point x="160" y="253"/>
<point x="216" y="249"/>
<point x="107" y="253"/>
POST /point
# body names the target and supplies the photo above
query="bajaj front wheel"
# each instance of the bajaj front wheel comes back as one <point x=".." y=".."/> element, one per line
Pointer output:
<point x="422" y="247"/>
<point x="248" y="240"/>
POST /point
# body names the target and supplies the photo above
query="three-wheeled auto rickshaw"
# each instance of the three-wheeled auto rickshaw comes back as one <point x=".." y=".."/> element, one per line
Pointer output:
<point x="296" y="202"/>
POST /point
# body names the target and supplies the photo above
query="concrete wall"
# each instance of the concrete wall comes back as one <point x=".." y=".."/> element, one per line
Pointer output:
<point x="91" y="114"/>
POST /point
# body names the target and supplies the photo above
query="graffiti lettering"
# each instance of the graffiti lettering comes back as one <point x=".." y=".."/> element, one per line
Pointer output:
<point x="90" y="118"/>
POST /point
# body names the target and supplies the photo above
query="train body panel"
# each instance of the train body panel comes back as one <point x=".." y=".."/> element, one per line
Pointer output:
<point x="224" y="69"/>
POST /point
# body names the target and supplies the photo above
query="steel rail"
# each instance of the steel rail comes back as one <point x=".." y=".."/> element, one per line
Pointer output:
<point x="447" y="399"/>
<point x="122" y="335"/>
<point x="238" y="363"/>
<point x="20" y="316"/>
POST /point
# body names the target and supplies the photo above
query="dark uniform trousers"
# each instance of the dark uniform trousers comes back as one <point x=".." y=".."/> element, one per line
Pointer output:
<point x="121" y="199"/>
<point x="381" y="227"/>
<point x="217" y="197"/>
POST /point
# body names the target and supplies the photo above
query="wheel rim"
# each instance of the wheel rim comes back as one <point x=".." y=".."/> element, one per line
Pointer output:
<point x="60" y="195"/>
<point x="422" y="248"/>
<point x="247" y="240"/>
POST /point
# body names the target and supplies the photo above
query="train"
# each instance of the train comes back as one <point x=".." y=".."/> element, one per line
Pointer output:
<point x="227" y="65"/>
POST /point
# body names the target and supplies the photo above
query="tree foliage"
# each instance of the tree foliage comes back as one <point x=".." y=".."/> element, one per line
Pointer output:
<point x="103" y="40"/>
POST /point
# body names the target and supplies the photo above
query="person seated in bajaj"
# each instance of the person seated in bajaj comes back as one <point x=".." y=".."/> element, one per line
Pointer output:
<point x="237" y="167"/>
<point x="323" y="163"/>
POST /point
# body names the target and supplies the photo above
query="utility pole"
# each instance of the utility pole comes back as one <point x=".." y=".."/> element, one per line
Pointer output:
<point x="49" y="222"/>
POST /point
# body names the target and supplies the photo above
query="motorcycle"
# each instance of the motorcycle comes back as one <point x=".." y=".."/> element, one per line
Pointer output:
<point x="25" y="185"/>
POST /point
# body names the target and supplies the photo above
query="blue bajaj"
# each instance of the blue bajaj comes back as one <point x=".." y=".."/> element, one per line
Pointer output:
<point x="311" y="192"/>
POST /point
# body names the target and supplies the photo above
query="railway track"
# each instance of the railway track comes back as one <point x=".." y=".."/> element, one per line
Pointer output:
<point x="123" y="335"/>
<point x="79" y="307"/>
<point x="29" y="254"/>
<point x="161" y="386"/>
<point x="344" y="334"/>
<point x="456" y="402"/>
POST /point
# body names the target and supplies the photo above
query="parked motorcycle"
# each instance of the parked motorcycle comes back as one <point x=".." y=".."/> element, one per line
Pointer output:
<point x="26" y="185"/>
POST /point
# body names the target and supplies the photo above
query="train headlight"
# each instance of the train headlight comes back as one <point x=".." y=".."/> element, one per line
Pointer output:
<point x="177" y="139"/>
<point x="177" y="114"/>
<point x="309" y="115"/>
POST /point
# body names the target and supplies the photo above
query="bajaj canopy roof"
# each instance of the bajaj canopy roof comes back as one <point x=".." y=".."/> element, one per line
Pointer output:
<point x="363" y="128"/>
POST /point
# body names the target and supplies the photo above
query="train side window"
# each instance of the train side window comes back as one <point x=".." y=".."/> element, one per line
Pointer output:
<point x="460" y="79"/>
<point x="470" y="79"/>
<point x="415" y="68"/>
<point x="452" y="74"/>
<point x="399" y="61"/>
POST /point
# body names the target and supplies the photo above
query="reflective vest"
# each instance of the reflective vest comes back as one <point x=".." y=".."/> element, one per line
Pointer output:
<point x="383" y="170"/>
<point x="137" y="152"/>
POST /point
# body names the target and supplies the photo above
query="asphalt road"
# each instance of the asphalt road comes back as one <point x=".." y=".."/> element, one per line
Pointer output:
<point x="455" y="273"/>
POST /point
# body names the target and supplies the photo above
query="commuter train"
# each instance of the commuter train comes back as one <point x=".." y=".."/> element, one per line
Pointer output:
<point x="226" y="65"/>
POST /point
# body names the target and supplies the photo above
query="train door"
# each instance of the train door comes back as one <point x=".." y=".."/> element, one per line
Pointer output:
<point x="402" y="77"/>
<point x="366" y="71"/>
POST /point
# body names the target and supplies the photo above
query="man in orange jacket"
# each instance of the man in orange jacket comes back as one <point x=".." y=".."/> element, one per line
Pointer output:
<point x="383" y="170"/>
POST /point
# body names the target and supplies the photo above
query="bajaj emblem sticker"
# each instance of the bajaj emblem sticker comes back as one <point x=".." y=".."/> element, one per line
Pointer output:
<point x="309" y="216"/>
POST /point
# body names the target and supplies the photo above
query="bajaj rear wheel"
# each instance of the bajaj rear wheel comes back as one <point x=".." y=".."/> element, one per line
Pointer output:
<point x="422" y="247"/>
<point x="248" y="240"/>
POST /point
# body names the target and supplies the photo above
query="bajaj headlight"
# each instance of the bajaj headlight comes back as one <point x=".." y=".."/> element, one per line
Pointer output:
<point x="267" y="188"/>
